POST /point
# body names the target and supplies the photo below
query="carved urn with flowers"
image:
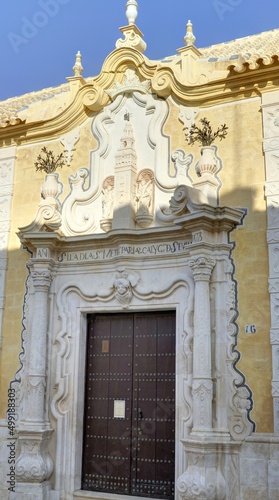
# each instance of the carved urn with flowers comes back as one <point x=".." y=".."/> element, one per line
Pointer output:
<point x="206" y="137"/>
<point x="48" y="215"/>
<point x="49" y="164"/>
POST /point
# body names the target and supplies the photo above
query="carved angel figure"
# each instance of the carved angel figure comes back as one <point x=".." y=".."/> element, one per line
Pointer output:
<point x="108" y="197"/>
<point x="144" y="195"/>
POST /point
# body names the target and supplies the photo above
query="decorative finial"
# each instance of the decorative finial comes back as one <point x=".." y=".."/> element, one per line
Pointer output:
<point x="189" y="38"/>
<point x="77" y="68"/>
<point x="133" y="36"/>
<point x="132" y="11"/>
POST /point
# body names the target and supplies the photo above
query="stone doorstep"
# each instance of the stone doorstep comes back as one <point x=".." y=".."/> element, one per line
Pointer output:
<point x="83" y="495"/>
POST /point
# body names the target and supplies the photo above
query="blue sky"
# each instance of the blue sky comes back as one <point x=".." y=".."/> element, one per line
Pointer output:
<point x="39" y="38"/>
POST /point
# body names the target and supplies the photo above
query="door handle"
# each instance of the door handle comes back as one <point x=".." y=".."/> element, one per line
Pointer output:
<point x="140" y="415"/>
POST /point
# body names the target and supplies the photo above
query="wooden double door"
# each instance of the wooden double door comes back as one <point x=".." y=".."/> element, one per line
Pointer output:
<point x="129" y="424"/>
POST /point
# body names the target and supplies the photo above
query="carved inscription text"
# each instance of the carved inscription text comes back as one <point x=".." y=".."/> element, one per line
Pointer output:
<point x="175" y="247"/>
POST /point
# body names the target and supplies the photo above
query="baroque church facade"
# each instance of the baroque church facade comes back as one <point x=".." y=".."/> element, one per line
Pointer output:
<point x="139" y="283"/>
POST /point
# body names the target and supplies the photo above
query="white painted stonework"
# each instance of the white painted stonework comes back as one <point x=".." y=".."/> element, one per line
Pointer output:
<point x="135" y="233"/>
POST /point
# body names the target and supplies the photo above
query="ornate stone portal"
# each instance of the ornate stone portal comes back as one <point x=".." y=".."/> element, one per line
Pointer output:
<point x="137" y="238"/>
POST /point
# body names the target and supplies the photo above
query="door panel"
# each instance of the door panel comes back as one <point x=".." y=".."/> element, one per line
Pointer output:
<point x="129" y="404"/>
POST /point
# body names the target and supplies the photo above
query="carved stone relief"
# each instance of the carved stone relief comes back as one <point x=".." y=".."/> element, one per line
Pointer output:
<point x="48" y="216"/>
<point x="271" y="144"/>
<point x="182" y="163"/>
<point x="69" y="141"/>
<point x="107" y="203"/>
<point x="273" y="166"/>
<point x="201" y="480"/>
<point x="272" y="212"/>
<point x="179" y="201"/>
<point x="123" y="285"/>
<point x="275" y="310"/>
<point x="132" y="102"/>
<point x="272" y="236"/>
<point x="34" y="463"/>
<point x="274" y="336"/>
<point x="276" y="414"/>
<point x="184" y="200"/>
<point x="275" y="352"/>
<point x="131" y="83"/>
<point x="271" y="121"/>
<point x="274" y="259"/>
<point x="272" y="188"/>
<point x="145" y="198"/>
<point x="125" y="177"/>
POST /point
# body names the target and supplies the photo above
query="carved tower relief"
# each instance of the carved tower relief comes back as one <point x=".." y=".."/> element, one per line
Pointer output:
<point x="133" y="151"/>
<point x="125" y="178"/>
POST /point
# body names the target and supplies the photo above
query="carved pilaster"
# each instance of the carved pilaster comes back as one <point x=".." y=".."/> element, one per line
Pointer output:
<point x="34" y="464"/>
<point x="202" y="268"/>
<point x="209" y="446"/>
<point x="37" y="361"/>
<point x="202" y="378"/>
<point x="203" y="478"/>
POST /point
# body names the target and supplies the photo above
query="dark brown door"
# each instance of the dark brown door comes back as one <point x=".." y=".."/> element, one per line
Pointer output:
<point x="129" y="421"/>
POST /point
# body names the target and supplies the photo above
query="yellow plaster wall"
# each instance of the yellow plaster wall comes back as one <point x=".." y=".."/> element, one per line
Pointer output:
<point x="80" y="158"/>
<point x="243" y="177"/>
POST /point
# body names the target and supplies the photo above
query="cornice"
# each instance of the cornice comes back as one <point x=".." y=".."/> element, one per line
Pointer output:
<point x="91" y="97"/>
<point x="213" y="220"/>
<point x="88" y="98"/>
<point x="122" y="59"/>
<point x="55" y="241"/>
<point x="235" y="86"/>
